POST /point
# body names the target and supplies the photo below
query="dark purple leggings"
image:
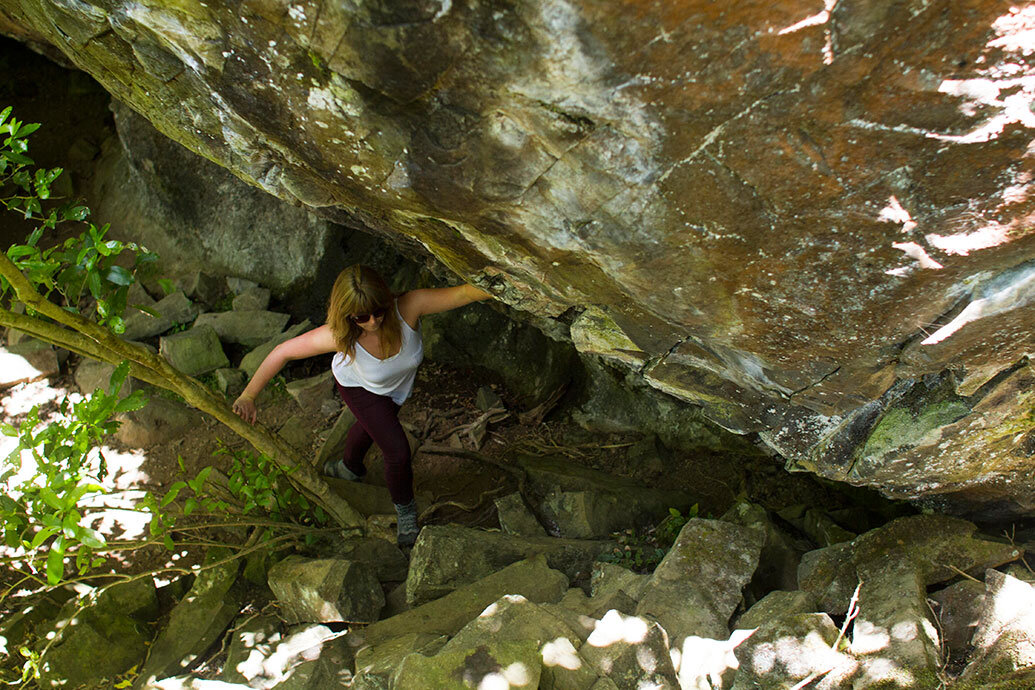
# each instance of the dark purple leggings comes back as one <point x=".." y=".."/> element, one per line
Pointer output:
<point x="377" y="421"/>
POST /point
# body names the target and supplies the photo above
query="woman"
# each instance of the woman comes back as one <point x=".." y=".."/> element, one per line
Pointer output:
<point x="378" y="348"/>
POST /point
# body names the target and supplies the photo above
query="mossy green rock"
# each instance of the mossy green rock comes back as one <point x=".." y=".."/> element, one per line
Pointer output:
<point x="194" y="352"/>
<point x="515" y="663"/>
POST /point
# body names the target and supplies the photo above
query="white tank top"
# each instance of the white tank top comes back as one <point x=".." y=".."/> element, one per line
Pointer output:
<point x="392" y="377"/>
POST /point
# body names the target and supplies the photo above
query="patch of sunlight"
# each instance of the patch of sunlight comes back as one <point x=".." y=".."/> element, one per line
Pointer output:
<point x="561" y="652"/>
<point x="16" y="368"/>
<point x="515" y="675"/>
<point x="273" y="661"/>
<point x="821" y="17"/>
<point x="1014" y="603"/>
<point x="895" y="213"/>
<point x="963" y="244"/>
<point x="701" y="661"/>
<point x="1015" y="30"/>
<point x="20" y="399"/>
<point x="868" y="638"/>
<point x="615" y="627"/>
<point x="1018" y="292"/>
<point x="915" y="251"/>
<point x="881" y="671"/>
<point x="187" y="683"/>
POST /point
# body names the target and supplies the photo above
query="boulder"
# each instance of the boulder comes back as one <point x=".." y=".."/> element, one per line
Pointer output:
<point x="326" y="590"/>
<point x="778" y="563"/>
<point x="251" y="642"/>
<point x="774" y="605"/>
<point x="582" y="503"/>
<point x="704" y="663"/>
<point x="313" y="392"/>
<point x="251" y="361"/>
<point x="786" y="650"/>
<point x="530" y="578"/>
<point x="446" y="557"/>
<point x="614" y="587"/>
<point x="172" y="310"/>
<point x="959" y="609"/>
<point x="632" y="651"/>
<point x="197" y="621"/>
<point x="307" y="657"/>
<point x="515" y="517"/>
<point x="490" y="664"/>
<point x="375" y="665"/>
<point x="160" y="421"/>
<point x="697" y="586"/>
<point x="387" y="561"/>
<point x="91" y="374"/>
<point x="294" y="431"/>
<point x="516" y="619"/>
<point x="194" y="352"/>
<point x="1004" y="641"/>
<point x="937" y="545"/>
<point x="252" y="299"/>
<point x="247" y="328"/>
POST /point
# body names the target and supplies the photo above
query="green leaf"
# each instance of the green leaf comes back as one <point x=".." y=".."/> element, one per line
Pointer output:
<point x="118" y="377"/>
<point x="92" y="538"/>
<point x="4" y="115"/>
<point x="26" y="130"/>
<point x="55" y="567"/>
<point x="42" y="536"/>
<point x="48" y="495"/>
<point x="168" y="287"/>
<point x="137" y="400"/>
<point x="96" y="288"/>
<point x="169" y="542"/>
<point x="119" y="276"/>
<point x="171" y="494"/>
<point x="17" y="251"/>
<point x="16" y="157"/>
<point x="190" y="505"/>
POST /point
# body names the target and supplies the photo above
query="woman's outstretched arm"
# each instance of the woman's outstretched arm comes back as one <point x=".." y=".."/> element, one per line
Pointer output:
<point x="418" y="303"/>
<point x="318" y="341"/>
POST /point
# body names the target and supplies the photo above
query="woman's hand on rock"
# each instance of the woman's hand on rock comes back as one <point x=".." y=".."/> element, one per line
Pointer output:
<point x="244" y="407"/>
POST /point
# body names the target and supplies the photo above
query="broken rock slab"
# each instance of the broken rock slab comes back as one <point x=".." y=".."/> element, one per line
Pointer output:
<point x="311" y="393"/>
<point x="697" y="586"/>
<point x="778" y="563"/>
<point x="515" y="517"/>
<point x="632" y="651"/>
<point x="531" y="578"/>
<point x="159" y="421"/>
<point x="194" y="352"/>
<point x="173" y="309"/>
<point x="513" y="618"/>
<point x="247" y="328"/>
<point x="446" y="557"/>
<point x="786" y="650"/>
<point x="489" y="665"/>
<point x="326" y="590"/>
<point x="1004" y="642"/>
<point x="197" y="621"/>
<point x="251" y="361"/>
<point x="375" y="666"/>
<point x="579" y="502"/>
<point x="959" y="609"/>
<point x="774" y="605"/>
<point x="938" y="545"/>
<point x="252" y="299"/>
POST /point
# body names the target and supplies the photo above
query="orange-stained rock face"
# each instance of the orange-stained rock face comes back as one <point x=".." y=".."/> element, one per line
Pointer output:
<point x="814" y="218"/>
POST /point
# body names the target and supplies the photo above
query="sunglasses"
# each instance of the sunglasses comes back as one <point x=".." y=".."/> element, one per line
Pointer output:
<point x="363" y="318"/>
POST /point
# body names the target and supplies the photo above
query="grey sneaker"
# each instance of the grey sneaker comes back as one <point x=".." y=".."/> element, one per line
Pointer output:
<point x="336" y="468"/>
<point x="407" y="530"/>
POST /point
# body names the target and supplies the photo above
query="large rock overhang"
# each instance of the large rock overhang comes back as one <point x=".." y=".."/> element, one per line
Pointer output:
<point x="813" y="219"/>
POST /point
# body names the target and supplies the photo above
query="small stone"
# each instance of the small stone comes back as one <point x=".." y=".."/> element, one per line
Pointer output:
<point x="202" y="287"/>
<point x="253" y="299"/>
<point x="194" y="352"/>
<point x="160" y="421"/>
<point x="487" y="399"/>
<point x="294" y="432"/>
<point x="776" y="604"/>
<point x="230" y="382"/>
<point x="959" y="608"/>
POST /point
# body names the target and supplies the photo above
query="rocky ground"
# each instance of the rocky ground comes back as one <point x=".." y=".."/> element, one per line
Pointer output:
<point x="587" y="546"/>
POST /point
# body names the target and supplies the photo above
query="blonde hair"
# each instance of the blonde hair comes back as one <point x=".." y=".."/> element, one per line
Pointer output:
<point x="361" y="290"/>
